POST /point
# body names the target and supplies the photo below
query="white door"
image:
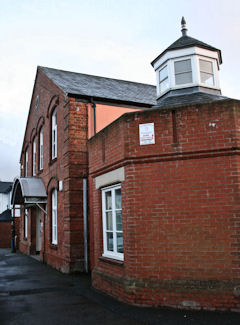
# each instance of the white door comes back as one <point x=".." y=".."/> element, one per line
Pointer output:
<point x="38" y="230"/>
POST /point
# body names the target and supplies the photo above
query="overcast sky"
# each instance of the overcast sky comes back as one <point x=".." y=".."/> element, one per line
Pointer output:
<point x="111" y="38"/>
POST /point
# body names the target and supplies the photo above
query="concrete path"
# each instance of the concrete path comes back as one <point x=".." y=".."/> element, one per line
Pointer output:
<point x="33" y="293"/>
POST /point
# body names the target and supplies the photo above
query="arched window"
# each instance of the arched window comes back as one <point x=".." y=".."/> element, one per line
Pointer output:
<point x="54" y="134"/>
<point x="54" y="217"/>
<point x="26" y="163"/>
<point x="34" y="157"/>
<point x="41" y="149"/>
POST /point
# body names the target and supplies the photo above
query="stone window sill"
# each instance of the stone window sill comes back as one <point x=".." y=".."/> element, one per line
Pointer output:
<point x="111" y="261"/>
<point x="53" y="246"/>
<point x="52" y="161"/>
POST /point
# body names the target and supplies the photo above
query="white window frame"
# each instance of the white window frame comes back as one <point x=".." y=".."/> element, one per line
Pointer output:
<point x="41" y="149"/>
<point x="54" y="217"/>
<point x="174" y="73"/>
<point x="213" y="73"/>
<point x="34" y="157"/>
<point x="25" y="223"/>
<point x="106" y="253"/>
<point x="54" y="134"/>
<point x="26" y="163"/>
<point x="166" y="78"/>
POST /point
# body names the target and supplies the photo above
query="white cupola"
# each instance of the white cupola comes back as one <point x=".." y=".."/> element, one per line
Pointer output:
<point x="187" y="66"/>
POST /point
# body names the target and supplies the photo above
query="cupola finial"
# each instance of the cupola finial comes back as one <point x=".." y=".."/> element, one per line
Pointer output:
<point x="184" y="28"/>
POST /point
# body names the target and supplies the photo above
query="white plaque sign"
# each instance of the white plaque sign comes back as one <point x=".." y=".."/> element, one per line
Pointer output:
<point x="146" y="134"/>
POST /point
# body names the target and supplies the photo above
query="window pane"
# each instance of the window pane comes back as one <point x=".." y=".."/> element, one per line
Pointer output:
<point x="26" y="164"/>
<point x="109" y="200"/>
<point x="119" y="220"/>
<point x="164" y="85"/>
<point x="112" y="222"/>
<point x="34" y="158"/>
<point x="207" y="78"/>
<point x="110" y="241"/>
<point x="54" y="216"/>
<point x="54" y="117"/>
<point x="109" y="221"/>
<point x="183" y="66"/>
<point x="118" y="201"/>
<point x="206" y="66"/>
<point x="119" y="242"/>
<point x="163" y="74"/>
<point x="54" y="135"/>
<point x="183" y="78"/>
<point x="54" y="233"/>
<point x="53" y="200"/>
<point x="41" y="150"/>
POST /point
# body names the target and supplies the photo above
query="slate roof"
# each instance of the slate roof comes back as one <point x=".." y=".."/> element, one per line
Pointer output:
<point x="5" y="215"/>
<point x="102" y="88"/>
<point x="5" y="187"/>
<point x="187" y="41"/>
<point x="187" y="99"/>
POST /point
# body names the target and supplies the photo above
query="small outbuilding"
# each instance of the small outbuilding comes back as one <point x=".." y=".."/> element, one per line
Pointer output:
<point x="5" y="214"/>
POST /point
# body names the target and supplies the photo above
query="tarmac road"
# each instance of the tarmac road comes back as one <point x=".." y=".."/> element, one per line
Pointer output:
<point x="34" y="293"/>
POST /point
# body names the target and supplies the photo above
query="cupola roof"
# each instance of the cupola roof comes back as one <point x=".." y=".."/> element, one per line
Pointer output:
<point x="187" y="66"/>
<point x="186" y="41"/>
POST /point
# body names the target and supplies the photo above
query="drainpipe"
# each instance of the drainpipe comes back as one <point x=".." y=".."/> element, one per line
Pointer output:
<point x="85" y="228"/>
<point x="94" y="115"/>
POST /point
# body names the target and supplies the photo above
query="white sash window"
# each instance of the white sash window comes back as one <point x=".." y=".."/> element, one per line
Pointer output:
<point x="34" y="158"/>
<point x="112" y="222"/>
<point x="26" y="163"/>
<point x="54" y="217"/>
<point x="41" y="150"/>
<point x="54" y="134"/>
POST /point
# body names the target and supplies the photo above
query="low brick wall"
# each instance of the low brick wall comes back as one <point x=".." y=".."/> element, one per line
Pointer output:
<point x="5" y="234"/>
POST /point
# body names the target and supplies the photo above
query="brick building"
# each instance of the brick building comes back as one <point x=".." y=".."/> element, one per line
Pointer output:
<point x="162" y="172"/>
<point x="66" y="109"/>
<point x="164" y="190"/>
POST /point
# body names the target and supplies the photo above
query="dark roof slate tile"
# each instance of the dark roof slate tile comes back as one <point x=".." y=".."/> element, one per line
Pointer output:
<point x="187" y="99"/>
<point x="187" y="41"/>
<point x="5" y="187"/>
<point x="5" y="215"/>
<point x="102" y="88"/>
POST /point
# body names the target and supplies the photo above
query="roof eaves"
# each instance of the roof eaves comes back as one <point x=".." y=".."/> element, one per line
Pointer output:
<point x="110" y="100"/>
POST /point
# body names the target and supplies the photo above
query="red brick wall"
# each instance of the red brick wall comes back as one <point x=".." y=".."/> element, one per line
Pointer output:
<point x="5" y="234"/>
<point x="69" y="167"/>
<point x="180" y="206"/>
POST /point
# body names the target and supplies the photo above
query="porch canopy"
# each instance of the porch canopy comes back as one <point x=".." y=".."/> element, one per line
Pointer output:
<point x="28" y="191"/>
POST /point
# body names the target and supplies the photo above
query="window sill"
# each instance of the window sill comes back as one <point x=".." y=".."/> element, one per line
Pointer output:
<point x="54" y="246"/>
<point x="40" y="171"/>
<point x="52" y="161"/>
<point x="111" y="261"/>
